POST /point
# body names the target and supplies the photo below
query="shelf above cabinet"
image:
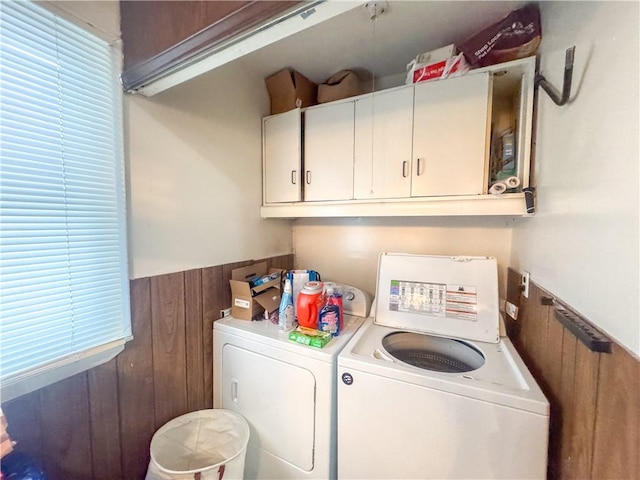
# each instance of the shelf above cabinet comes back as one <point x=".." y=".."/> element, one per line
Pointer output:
<point x="510" y="204"/>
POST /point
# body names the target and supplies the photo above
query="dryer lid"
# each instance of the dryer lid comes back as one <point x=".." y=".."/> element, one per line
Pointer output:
<point x="446" y="296"/>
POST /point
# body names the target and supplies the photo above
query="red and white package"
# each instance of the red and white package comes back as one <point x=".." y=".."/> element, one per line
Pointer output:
<point x="436" y="64"/>
<point x="451" y="67"/>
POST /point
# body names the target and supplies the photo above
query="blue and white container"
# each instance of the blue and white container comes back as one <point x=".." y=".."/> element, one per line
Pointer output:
<point x="286" y="313"/>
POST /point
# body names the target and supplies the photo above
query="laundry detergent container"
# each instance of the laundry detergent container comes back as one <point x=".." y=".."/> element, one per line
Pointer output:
<point x="207" y="444"/>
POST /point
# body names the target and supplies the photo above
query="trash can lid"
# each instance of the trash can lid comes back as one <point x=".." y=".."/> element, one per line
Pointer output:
<point x="199" y="441"/>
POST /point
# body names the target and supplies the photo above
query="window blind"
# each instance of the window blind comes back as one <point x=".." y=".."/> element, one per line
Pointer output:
<point x="64" y="298"/>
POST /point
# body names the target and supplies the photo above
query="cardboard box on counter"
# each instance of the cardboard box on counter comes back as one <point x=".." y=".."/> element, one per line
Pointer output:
<point x="289" y="89"/>
<point x="248" y="301"/>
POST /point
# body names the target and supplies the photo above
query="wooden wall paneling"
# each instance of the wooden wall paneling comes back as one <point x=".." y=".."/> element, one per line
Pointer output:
<point x="25" y="426"/>
<point x="568" y="369"/>
<point x="66" y="435"/>
<point x="617" y="429"/>
<point x="553" y="355"/>
<point x="526" y="335"/>
<point x="281" y="261"/>
<point x="545" y="351"/>
<point x="553" y="387"/>
<point x="105" y="421"/>
<point x="535" y="331"/>
<point x="99" y="424"/>
<point x="169" y="356"/>
<point x="194" y="340"/>
<point x="212" y="302"/>
<point x="151" y="27"/>
<point x="544" y="315"/>
<point x="160" y="36"/>
<point x="584" y="410"/>
<point x="136" y="385"/>
<point x="594" y="398"/>
<point x="285" y="261"/>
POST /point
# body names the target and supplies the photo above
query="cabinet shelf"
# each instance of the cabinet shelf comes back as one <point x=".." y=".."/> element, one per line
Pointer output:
<point x="510" y="204"/>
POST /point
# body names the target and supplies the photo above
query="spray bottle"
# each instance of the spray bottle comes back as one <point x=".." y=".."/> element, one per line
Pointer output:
<point x="330" y="315"/>
<point x="286" y="314"/>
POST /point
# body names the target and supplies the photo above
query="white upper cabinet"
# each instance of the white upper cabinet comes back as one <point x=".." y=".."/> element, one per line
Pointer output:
<point x="451" y="132"/>
<point x="328" y="152"/>
<point x="433" y="148"/>
<point x="282" y="173"/>
<point x="383" y="135"/>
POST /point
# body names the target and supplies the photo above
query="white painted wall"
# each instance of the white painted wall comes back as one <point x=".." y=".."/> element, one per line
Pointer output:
<point x="346" y="250"/>
<point x="195" y="155"/>
<point x="582" y="245"/>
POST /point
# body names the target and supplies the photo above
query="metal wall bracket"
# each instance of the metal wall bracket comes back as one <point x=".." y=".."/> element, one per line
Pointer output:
<point x="559" y="98"/>
<point x="579" y="326"/>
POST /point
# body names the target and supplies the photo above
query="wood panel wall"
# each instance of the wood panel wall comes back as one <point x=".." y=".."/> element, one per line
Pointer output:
<point x="98" y="424"/>
<point x="594" y="397"/>
<point x="160" y="36"/>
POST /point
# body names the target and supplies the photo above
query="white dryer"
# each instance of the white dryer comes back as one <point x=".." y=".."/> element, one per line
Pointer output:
<point x="285" y="390"/>
<point x="428" y="389"/>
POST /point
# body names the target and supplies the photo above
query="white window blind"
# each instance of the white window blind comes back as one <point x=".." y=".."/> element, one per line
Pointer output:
<point x="64" y="298"/>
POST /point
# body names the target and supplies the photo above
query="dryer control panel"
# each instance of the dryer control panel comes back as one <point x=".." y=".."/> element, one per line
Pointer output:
<point x="355" y="301"/>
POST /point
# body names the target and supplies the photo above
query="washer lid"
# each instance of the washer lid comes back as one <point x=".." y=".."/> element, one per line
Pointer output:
<point x="446" y="296"/>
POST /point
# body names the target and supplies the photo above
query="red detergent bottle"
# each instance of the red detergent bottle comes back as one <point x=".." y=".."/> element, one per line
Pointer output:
<point x="308" y="304"/>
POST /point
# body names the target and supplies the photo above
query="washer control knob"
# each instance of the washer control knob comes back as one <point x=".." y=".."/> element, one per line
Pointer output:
<point x="350" y="296"/>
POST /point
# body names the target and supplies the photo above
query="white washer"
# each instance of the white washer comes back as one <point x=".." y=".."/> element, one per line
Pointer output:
<point x="428" y="389"/>
<point x="285" y="390"/>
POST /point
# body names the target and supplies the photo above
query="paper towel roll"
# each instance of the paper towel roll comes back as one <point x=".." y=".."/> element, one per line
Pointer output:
<point x="512" y="182"/>
<point x="497" y="188"/>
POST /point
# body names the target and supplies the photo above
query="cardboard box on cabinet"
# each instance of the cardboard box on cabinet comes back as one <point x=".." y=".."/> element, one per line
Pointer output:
<point x="249" y="301"/>
<point x="289" y="89"/>
<point x="345" y="84"/>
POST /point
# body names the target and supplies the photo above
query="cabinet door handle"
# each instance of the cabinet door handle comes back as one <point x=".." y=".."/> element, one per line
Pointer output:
<point x="419" y="169"/>
<point x="308" y="177"/>
<point x="404" y="168"/>
<point x="294" y="178"/>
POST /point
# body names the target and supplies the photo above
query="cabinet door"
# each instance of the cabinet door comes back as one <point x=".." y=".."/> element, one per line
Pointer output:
<point x="451" y="136"/>
<point x="383" y="133"/>
<point x="282" y="157"/>
<point x="328" y="152"/>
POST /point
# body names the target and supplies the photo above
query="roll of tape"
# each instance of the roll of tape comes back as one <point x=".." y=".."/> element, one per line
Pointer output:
<point x="512" y="182"/>
<point x="497" y="188"/>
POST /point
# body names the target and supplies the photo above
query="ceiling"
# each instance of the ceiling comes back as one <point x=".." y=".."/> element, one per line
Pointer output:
<point x="384" y="45"/>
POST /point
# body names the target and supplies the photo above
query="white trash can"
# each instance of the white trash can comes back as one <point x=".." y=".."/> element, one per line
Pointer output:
<point x="203" y="445"/>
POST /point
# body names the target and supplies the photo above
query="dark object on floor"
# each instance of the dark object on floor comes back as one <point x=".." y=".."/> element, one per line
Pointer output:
<point x="18" y="466"/>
